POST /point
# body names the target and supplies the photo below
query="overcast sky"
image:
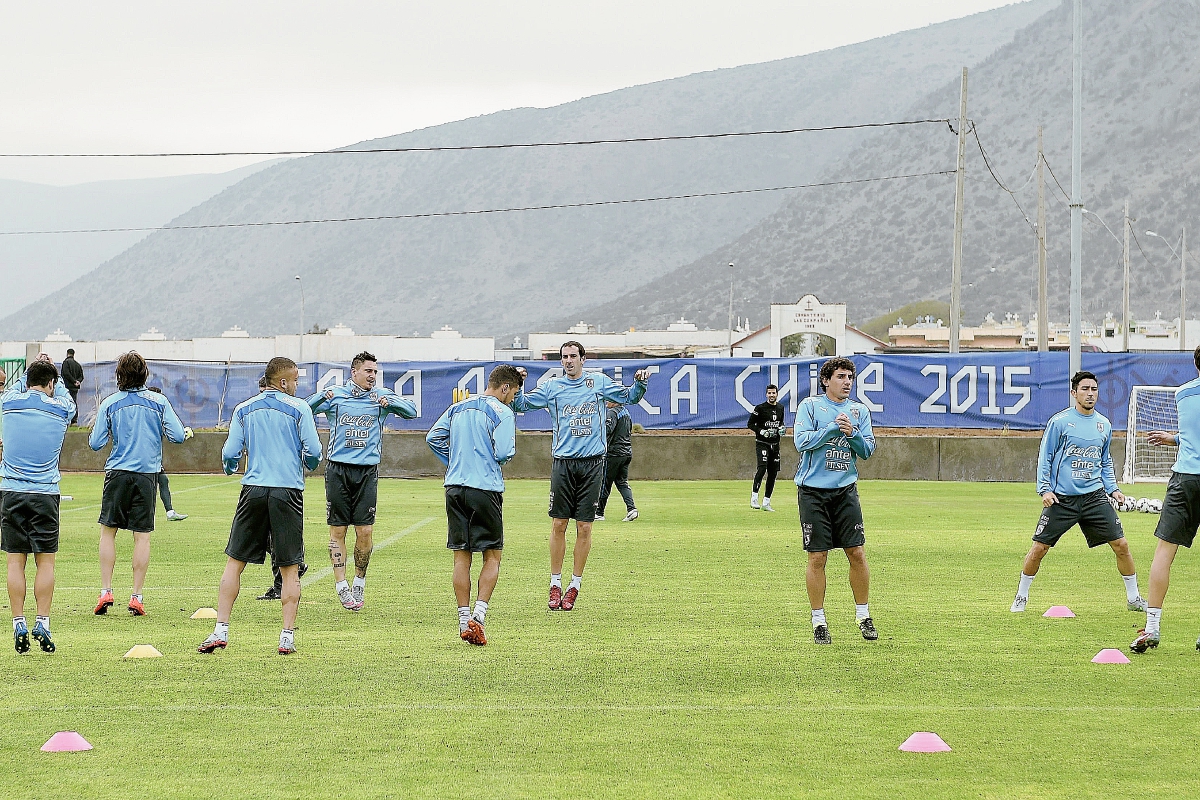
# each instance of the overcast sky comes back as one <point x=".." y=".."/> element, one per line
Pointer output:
<point x="155" y="76"/>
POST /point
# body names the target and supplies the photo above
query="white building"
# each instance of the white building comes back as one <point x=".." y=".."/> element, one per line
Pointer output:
<point x="681" y="338"/>
<point x="807" y="327"/>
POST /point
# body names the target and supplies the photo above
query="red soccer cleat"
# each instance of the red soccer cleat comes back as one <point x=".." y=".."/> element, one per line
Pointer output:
<point x="555" y="598"/>
<point x="568" y="601"/>
<point x="136" y="609"/>
<point x="212" y="644"/>
<point x="104" y="603"/>
<point x="285" y="650"/>
<point x="474" y="633"/>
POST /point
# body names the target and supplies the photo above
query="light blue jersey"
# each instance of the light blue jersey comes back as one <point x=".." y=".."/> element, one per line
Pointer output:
<point x="1187" y="401"/>
<point x="136" y="422"/>
<point x="356" y="420"/>
<point x="279" y="437"/>
<point x="577" y="407"/>
<point x="473" y="438"/>
<point x="1074" y="458"/>
<point x="34" y="428"/>
<point x="828" y="458"/>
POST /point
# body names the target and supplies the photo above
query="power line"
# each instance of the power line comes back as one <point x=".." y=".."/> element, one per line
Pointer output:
<point x="987" y="162"/>
<point x="509" y="146"/>
<point x="432" y="214"/>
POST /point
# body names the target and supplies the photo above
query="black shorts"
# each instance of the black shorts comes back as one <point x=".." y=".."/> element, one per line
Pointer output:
<point x="1180" y="514"/>
<point x="575" y="486"/>
<point x="351" y="491"/>
<point x="1094" y="515"/>
<point x="767" y="454"/>
<point x="268" y="517"/>
<point x="474" y="519"/>
<point x="28" y="522"/>
<point x="129" y="500"/>
<point x="830" y="519"/>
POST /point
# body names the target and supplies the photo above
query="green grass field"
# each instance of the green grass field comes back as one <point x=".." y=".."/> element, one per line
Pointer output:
<point x="686" y="670"/>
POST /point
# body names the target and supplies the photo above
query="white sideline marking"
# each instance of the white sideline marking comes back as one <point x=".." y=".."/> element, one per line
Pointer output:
<point x="444" y="707"/>
<point x="324" y="572"/>
<point x="173" y="493"/>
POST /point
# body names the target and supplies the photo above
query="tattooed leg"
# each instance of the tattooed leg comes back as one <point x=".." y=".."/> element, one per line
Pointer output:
<point x="337" y="552"/>
<point x="364" y="545"/>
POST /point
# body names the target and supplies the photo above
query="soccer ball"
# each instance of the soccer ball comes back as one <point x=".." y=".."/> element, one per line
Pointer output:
<point x="1156" y="506"/>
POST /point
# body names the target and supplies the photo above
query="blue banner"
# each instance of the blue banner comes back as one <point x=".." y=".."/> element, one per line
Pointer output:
<point x="977" y="390"/>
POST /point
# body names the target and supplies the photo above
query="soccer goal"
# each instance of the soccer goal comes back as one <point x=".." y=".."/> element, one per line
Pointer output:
<point x="1151" y="408"/>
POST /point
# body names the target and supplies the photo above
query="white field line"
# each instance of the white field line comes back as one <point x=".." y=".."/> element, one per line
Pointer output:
<point x="324" y="572"/>
<point x="173" y="493"/>
<point x="601" y="708"/>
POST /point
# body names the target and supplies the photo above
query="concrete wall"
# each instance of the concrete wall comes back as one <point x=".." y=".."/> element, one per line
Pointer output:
<point x="664" y="457"/>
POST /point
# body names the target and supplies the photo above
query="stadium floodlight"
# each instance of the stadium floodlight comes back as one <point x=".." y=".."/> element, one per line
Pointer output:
<point x="1182" y="256"/>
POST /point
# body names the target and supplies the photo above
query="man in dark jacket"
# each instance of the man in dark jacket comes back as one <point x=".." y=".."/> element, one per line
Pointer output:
<point x="619" y="428"/>
<point x="72" y="376"/>
<point x="767" y="422"/>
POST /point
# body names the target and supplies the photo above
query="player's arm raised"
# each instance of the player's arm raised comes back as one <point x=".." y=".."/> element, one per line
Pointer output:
<point x="528" y="401"/>
<point x="625" y="395"/>
<point x="438" y="438"/>
<point x="807" y="435"/>
<point x="319" y="401"/>
<point x="395" y="404"/>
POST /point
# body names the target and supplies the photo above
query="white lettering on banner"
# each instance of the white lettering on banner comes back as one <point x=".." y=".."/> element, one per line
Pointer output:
<point x="991" y="407"/>
<point x="649" y="409"/>
<point x="549" y="375"/>
<point x="413" y="375"/>
<point x="739" y="387"/>
<point x="930" y="406"/>
<point x="958" y="406"/>
<point x="691" y="394"/>
<point x="1021" y="391"/>
<point x="333" y="377"/>
<point x="814" y="379"/>
<point x="874" y="368"/>
<point x="475" y="373"/>
<point x="787" y="389"/>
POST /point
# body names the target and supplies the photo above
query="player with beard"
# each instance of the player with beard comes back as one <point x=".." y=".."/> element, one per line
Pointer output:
<point x="768" y="423"/>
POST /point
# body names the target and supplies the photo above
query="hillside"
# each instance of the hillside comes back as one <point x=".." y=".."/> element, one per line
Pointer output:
<point x="513" y="272"/>
<point x="879" y="246"/>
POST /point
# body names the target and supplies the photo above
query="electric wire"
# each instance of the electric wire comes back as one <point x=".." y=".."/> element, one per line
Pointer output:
<point x="987" y="162"/>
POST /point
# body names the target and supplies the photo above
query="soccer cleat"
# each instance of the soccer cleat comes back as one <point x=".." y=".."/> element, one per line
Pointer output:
<point x="212" y="644"/>
<point x="43" y="638"/>
<point x="104" y="603"/>
<point x="175" y="516"/>
<point x="754" y="502"/>
<point x="766" y="504"/>
<point x="599" y="518"/>
<point x="348" y="601"/>
<point x="867" y="626"/>
<point x="358" y="591"/>
<point x="568" y="600"/>
<point x="631" y="516"/>
<point x="21" y="638"/>
<point x="1019" y="603"/>
<point x="1144" y="641"/>
<point x="474" y="633"/>
<point x="1136" y="604"/>
<point x="821" y="635"/>
<point x="555" y="598"/>
<point x="136" y="609"/>
<point x="286" y="649"/>
<point x="271" y="594"/>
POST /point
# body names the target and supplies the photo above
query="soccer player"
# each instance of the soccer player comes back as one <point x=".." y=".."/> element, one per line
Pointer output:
<point x="37" y="410"/>
<point x="767" y="422"/>
<point x="278" y="434"/>
<point x="474" y="438"/>
<point x="831" y="433"/>
<point x="356" y="413"/>
<point x="135" y="420"/>
<point x="576" y="404"/>
<point x="619" y="428"/>
<point x="1075" y="480"/>
<point x="1181" y="507"/>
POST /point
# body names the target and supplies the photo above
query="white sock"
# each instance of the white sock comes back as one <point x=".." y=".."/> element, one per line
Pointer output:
<point x="341" y="586"/>
<point x="1153" y="618"/>
<point x="1131" y="587"/>
<point x="106" y="591"/>
<point x="754" y="497"/>
<point x="137" y="597"/>
<point x="818" y="617"/>
<point x="480" y="611"/>
<point x="1023" y="586"/>
<point x="360" y="582"/>
<point x="44" y="622"/>
<point x="861" y="612"/>
<point x="287" y="638"/>
<point x="464" y="616"/>
<point x="575" y="581"/>
<point x="221" y="631"/>
<point x="556" y="580"/>
<point x="18" y="621"/>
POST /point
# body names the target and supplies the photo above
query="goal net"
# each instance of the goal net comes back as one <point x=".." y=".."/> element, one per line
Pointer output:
<point x="1151" y="408"/>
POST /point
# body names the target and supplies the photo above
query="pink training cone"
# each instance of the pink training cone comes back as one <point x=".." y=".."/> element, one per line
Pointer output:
<point x="1110" y="656"/>
<point x="1058" y="611"/>
<point x="924" y="742"/>
<point x="66" y="742"/>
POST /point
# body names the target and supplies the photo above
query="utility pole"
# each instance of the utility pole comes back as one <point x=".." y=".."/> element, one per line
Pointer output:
<point x="1183" y="290"/>
<point x="730" y="337"/>
<point x="1076" y="359"/>
<point x="959" y="189"/>
<point x="1125" y="285"/>
<point x="1043" y="309"/>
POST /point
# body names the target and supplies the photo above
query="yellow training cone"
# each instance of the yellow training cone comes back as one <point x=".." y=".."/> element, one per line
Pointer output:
<point x="143" y="651"/>
<point x="205" y="613"/>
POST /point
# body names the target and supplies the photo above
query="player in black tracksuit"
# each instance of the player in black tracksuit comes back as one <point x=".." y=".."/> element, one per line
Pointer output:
<point x="768" y="423"/>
